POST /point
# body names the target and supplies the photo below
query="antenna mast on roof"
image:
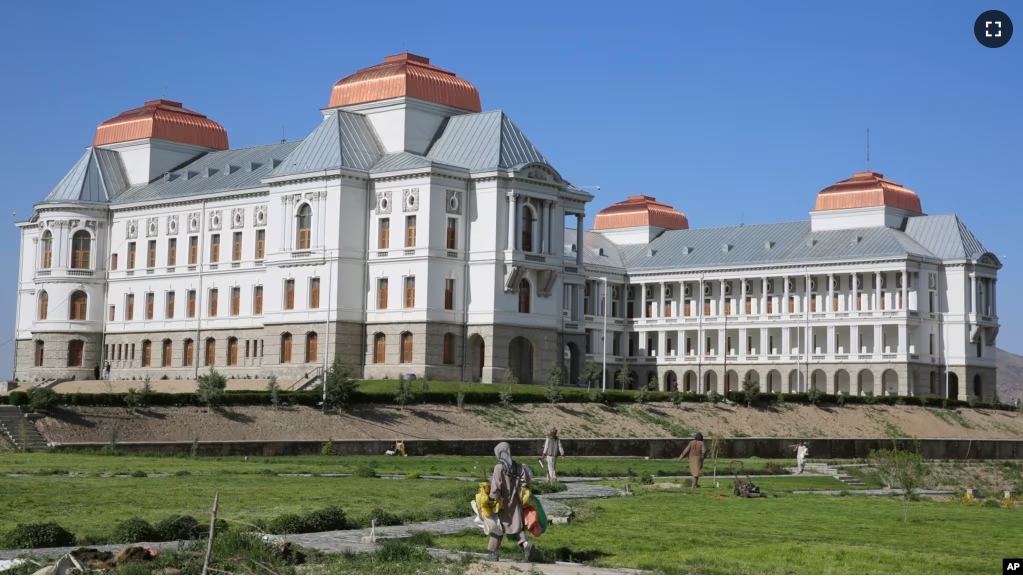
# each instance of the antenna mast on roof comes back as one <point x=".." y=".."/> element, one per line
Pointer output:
<point x="868" y="149"/>
<point x="282" y="133"/>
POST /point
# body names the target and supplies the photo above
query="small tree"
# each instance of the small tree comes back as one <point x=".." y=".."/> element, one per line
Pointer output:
<point x="750" y="390"/>
<point x="405" y="394"/>
<point x="901" y="468"/>
<point x="625" y="375"/>
<point x="554" y="379"/>
<point x="591" y="374"/>
<point x="275" y="391"/>
<point x="147" y="386"/>
<point x="509" y="377"/>
<point x="341" y="386"/>
<point x="507" y="397"/>
<point x="642" y="393"/>
<point x="42" y="399"/>
<point x="133" y="399"/>
<point x="211" y="388"/>
<point x="814" y="395"/>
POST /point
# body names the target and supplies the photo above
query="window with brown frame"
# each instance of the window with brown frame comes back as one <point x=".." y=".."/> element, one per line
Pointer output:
<point x="214" y="296"/>
<point x="39" y="355"/>
<point x="310" y="348"/>
<point x="452" y="233"/>
<point x="112" y="312"/>
<point x="166" y="353"/>
<point x="215" y="248"/>
<point x="211" y="352"/>
<point x="232" y="351"/>
<point x="79" y="306"/>
<point x="289" y="294"/>
<point x="81" y="250"/>
<point x="792" y="304"/>
<point x="151" y="255"/>
<point x="406" y="348"/>
<point x="314" y="293"/>
<point x="236" y="301"/>
<point x="410" y="291"/>
<point x="449" y="293"/>
<point x="382" y="294"/>
<point x="410" y="231"/>
<point x="305" y="227"/>
<point x="44" y="305"/>
<point x="193" y="250"/>
<point x="384" y="234"/>
<point x="188" y="352"/>
<point x="257" y="300"/>
<point x="113" y="261"/>
<point x="75" y="353"/>
<point x="147" y="353"/>
<point x="47" y="249"/>
<point x="131" y="255"/>
<point x="236" y="252"/>
<point x="190" y="303"/>
<point x="172" y="251"/>
<point x="170" y="305"/>
<point x="150" y="301"/>
<point x="260" y="244"/>
<point x="380" y="349"/>
<point x="285" y="348"/>
<point x="129" y="307"/>
<point x="449" y="348"/>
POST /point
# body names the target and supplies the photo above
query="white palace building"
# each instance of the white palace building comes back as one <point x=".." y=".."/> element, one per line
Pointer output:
<point x="413" y="233"/>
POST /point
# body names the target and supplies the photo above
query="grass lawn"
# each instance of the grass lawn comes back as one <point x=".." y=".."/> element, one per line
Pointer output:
<point x="91" y="507"/>
<point x="43" y="463"/>
<point x="686" y="531"/>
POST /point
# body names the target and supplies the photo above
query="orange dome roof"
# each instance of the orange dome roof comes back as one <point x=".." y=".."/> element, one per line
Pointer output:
<point x="866" y="189"/>
<point x="640" y="211"/>
<point x="165" y="120"/>
<point x="405" y="75"/>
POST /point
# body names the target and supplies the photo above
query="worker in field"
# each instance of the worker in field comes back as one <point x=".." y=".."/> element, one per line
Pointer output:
<point x="552" y="448"/>
<point x="694" y="451"/>
<point x="506" y="487"/>
<point x="801" y="452"/>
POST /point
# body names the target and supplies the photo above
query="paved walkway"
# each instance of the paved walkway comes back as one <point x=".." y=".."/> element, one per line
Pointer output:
<point x="874" y="492"/>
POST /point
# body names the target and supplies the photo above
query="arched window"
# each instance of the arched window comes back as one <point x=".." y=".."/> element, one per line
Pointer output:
<point x="188" y="352"/>
<point x="406" y="348"/>
<point x="305" y="227"/>
<point x="75" y="353"/>
<point x="310" y="348"/>
<point x="44" y="304"/>
<point x="47" y="243"/>
<point x="524" y="296"/>
<point x="81" y="249"/>
<point x="168" y="349"/>
<point x="147" y="353"/>
<point x="527" y="228"/>
<point x="39" y="352"/>
<point x="449" y="348"/>
<point x="211" y="351"/>
<point x="232" y="351"/>
<point x="79" y="305"/>
<point x="379" y="349"/>
<point x="285" y="348"/>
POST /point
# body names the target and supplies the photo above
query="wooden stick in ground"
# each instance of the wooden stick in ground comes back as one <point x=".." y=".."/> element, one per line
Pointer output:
<point x="213" y="529"/>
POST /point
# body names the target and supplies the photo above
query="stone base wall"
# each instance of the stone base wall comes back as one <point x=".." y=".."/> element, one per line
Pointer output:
<point x="55" y="356"/>
<point x="545" y="344"/>
<point x="345" y="344"/>
<point x="427" y="360"/>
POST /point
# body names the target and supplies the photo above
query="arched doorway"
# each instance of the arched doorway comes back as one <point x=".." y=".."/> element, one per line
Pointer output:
<point x="818" y="381"/>
<point x="731" y="381"/>
<point x="953" y="385"/>
<point x="890" y="382"/>
<point x="865" y="382"/>
<point x="476" y="355"/>
<point x="670" y="381"/>
<point x="842" y="382"/>
<point x="978" y="387"/>
<point x="710" y="382"/>
<point x="573" y="361"/>
<point x="751" y="376"/>
<point x="793" y="381"/>
<point x="774" y="381"/>
<point x="689" y="382"/>
<point x="520" y="359"/>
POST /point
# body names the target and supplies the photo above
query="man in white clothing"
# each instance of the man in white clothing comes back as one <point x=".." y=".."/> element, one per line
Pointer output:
<point x="551" y="450"/>
<point x="801" y="451"/>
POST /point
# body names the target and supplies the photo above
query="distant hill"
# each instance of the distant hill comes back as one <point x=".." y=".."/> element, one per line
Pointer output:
<point x="1010" y="376"/>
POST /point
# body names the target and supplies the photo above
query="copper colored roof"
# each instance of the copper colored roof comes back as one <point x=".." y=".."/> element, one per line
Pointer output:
<point x="405" y="75"/>
<point x="640" y="211"/>
<point x="866" y="189"/>
<point x="165" y="120"/>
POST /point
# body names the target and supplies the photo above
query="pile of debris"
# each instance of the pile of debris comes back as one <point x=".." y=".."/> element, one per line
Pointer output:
<point x="85" y="560"/>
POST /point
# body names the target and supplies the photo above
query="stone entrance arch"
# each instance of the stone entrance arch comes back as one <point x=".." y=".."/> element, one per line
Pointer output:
<point x="670" y="381"/>
<point x="690" y="382"/>
<point x="842" y="382"/>
<point x="521" y="354"/>
<point x="731" y="382"/>
<point x="574" y="361"/>
<point x="953" y="386"/>
<point x="710" y="382"/>
<point x="890" y="383"/>
<point x="819" y="380"/>
<point x="793" y="381"/>
<point x="865" y="382"/>
<point x="477" y="353"/>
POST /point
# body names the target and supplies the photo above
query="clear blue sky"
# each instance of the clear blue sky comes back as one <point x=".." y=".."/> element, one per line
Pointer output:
<point x="730" y="111"/>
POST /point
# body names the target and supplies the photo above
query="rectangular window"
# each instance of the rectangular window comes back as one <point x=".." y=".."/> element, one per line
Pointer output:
<point x="449" y="294"/>
<point x="236" y="301"/>
<point x="452" y="229"/>
<point x="384" y="236"/>
<point x="129" y="307"/>
<point x="190" y="299"/>
<point x="257" y="300"/>
<point x="689" y="346"/>
<point x="236" y="252"/>
<point x="260" y="244"/>
<point x="932" y="343"/>
<point x="215" y="248"/>
<point x="172" y="252"/>
<point x="193" y="250"/>
<point x="151" y="255"/>
<point x="289" y="294"/>
<point x="706" y="307"/>
<point x="170" y="305"/>
<point x="113" y="262"/>
<point x="214" y="293"/>
<point x="131" y="255"/>
<point x="930" y="301"/>
<point x="382" y="294"/>
<point x="314" y="293"/>
<point x="112" y="313"/>
<point x="410" y="291"/>
<point x="410" y="231"/>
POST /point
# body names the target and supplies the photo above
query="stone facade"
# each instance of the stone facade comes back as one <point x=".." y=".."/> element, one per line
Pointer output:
<point x="387" y="360"/>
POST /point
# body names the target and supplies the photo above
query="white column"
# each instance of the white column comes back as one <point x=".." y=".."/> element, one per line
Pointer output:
<point x="784" y="295"/>
<point x="742" y="296"/>
<point x="829" y="346"/>
<point x="994" y="296"/>
<point x="742" y="342"/>
<point x="661" y="313"/>
<point x="763" y="295"/>
<point x="877" y="290"/>
<point x="831" y="294"/>
<point x="973" y="293"/>
<point x="550" y="227"/>
<point x="580" y="234"/>
<point x="903" y="345"/>
<point x="905" y="294"/>
<point x="662" y="345"/>
<point x="721" y="298"/>
<point x="855" y="295"/>
<point x="878" y="347"/>
<point x="642" y="301"/>
<point x="764" y="348"/>
<point x="513" y="210"/>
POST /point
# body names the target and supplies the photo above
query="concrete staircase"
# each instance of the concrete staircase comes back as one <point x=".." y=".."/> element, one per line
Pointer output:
<point x="820" y="468"/>
<point x="21" y="430"/>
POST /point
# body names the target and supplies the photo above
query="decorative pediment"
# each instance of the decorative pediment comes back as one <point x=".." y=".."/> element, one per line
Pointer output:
<point x="259" y="216"/>
<point x="237" y="217"/>
<point x="215" y="220"/>
<point x="172" y="225"/>
<point x="411" y="199"/>
<point x="383" y="201"/>
<point x="152" y="226"/>
<point x="133" y="228"/>
<point x="540" y="173"/>
<point x="193" y="222"/>
<point x="454" y="201"/>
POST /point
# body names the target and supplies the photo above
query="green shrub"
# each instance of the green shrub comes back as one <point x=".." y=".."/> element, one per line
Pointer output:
<point x="401" y="551"/>
<point x="286" y="524"/>
<point x="139" y="474"/>
<point x="597" y="396"/>
<point x="413" y="476"/>
<point x="180" y="528"/>
<point x="134" y="530"/>
<point x="341" y="387"/>
<point x="328" y="448"/>
<point x="539" y="488"/>
<point x="424" y="539"/>
<point x="182" y="473"/>
<point x="646" y="479"/>
<point x="18" y="398"/>
<point x="211" y="388"/>
<point x="460" y="398"/>
<point x="365" y="472"/>
<point x="43" y="535"/>
<point x="42" y="399"/>
<point x="385" y="518"/>
<point x="506" y="396"/>
<point x="325" y="519"/>
<point x="405" y="393"/>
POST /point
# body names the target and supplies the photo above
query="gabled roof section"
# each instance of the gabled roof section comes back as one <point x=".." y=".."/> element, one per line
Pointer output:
<point x="342" y="140"/>
<point x="407" y="161"/>
<point x="221" y="171"/>
<point x="599" y="250"/>
<point x="945" y="236"/>
<point x="97" y="177"/>
<point x="485" y="141"/>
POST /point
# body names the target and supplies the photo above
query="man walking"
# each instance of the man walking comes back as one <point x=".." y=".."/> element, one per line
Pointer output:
<point x="551" y="450"/>
<point x="801" y="452"/>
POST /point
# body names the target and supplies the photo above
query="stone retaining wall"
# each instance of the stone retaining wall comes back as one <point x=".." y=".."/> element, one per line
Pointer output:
<point x="843" y="448"/>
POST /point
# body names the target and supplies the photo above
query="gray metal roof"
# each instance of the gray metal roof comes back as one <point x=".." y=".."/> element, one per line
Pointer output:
<point x="220" y="171"/>
<point x="484" y="141"/>
<point x="343" y="139"/>
<point x="98" y="176"/>
<point x="599" y="250"/>
<point x="945" y="236"/>
<point x="407" y="161"/>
